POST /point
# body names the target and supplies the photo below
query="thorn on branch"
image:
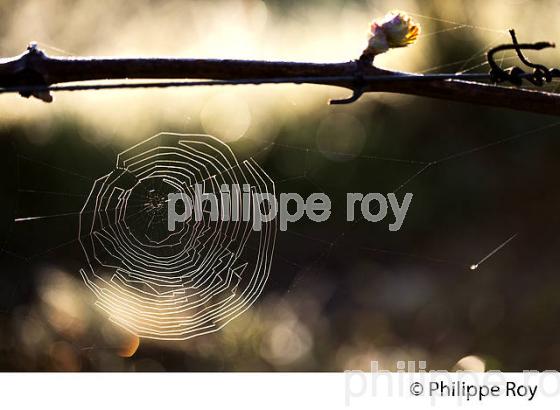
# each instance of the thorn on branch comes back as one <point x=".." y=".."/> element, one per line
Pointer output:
<point x="356" y="94"/>
<point x="359" y="85"/>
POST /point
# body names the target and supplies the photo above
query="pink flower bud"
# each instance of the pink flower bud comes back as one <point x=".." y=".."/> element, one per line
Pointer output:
<point x="395" y="30"/>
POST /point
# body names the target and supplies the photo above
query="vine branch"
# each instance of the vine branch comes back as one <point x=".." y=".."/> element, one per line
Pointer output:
<point x="34" y="73"/>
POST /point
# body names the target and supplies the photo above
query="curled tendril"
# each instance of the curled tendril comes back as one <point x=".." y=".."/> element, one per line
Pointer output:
<point x="515" y="75"/>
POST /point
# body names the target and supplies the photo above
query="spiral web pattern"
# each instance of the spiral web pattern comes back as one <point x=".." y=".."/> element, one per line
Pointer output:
<point x="181" y="284"/>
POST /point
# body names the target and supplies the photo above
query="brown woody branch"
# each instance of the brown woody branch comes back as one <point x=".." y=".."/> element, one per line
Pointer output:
<point x="35" y="69"/>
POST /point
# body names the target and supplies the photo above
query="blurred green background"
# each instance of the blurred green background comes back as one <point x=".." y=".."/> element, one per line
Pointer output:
<point x="375" y="295"/>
